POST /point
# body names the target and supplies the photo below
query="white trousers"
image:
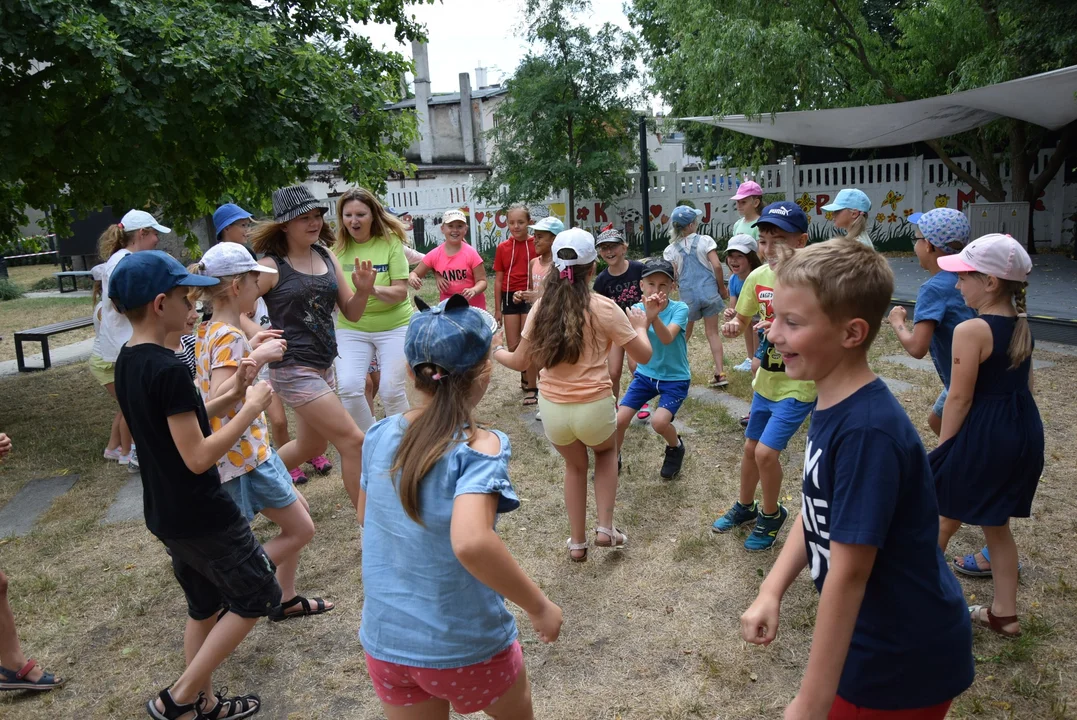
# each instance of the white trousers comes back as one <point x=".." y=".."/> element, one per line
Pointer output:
<point x="355" y="350"/>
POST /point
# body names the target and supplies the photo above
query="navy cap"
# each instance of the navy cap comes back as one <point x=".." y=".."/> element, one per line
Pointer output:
<point x="657" y="265"/>
<point x="142" y="276"/>
<point x="227" y="214"/>
<point x="784" y="215"/>
<point x="454" y="336"/>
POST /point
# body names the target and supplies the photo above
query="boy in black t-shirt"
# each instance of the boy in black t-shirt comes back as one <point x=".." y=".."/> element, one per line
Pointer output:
<point x="215" y="557"/>
<point x="869" y="525"/>
<point x="620" y="283"/>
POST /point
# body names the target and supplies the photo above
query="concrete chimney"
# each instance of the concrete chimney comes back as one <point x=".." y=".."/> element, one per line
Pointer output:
<point x="467" y="129"/>
<point x="422" y="102"/>
<point x="480" y="77"/>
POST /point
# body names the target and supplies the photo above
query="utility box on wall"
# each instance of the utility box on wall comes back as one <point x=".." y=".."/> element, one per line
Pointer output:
<point x="1008" y="218"/>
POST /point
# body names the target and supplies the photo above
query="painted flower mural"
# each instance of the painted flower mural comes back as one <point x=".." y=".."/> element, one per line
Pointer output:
<point x="907" y="212"/>
<point x="881" y="217"/>
<point x="806" y="202"/>
<point x="892" y="218"/>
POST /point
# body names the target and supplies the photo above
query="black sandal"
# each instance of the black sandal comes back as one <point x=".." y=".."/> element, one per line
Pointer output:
<point x="280" y="615"/>
<point x="172" y="709"/>
<point x="233" y="708"/>
<point x="531" y="397"/>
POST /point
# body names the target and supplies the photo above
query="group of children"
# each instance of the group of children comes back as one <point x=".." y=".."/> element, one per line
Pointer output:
<point x="427" y="483"/>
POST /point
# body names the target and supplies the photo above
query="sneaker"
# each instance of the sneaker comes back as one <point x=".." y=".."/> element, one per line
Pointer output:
<point x="745" y="366"/>
<point x="114" y="454"/>
<point x="321" y="464"/>
<point x="125" y="459"/>
<point x="644" y="412"/>
<point x="736" y="516"/>
<point x="132" y="461"/>
<point x="744" y="421"/>
<point x="538" y="415"/>
<point x="671" y="467"/>
<point x="298" y="478"/>
<point x="766" y="530"/>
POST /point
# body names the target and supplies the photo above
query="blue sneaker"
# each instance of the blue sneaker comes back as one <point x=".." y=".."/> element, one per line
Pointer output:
<point x="766" y="530"/>
<point x="745" y="366"/>
<point x="736" y="516"/>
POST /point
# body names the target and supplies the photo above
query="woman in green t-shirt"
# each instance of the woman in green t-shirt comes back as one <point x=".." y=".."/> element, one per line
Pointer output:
<point x="367" y="231"/>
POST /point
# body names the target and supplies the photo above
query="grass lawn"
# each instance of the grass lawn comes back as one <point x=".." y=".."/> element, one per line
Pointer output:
<point x="650" y="632"/>
<point x="26" y="275"/>
<point x="26" y="313"/>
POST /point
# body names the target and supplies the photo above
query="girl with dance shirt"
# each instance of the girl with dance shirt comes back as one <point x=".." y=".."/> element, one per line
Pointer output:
<point x="456" y="261"/>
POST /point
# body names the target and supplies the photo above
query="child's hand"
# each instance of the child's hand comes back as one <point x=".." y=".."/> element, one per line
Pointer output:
<point x="897" y="317"/>
<point x="497" y="314"/>
<point x="468" y="292"/>
<point x="269" y="351"/>
<point x="246" y="374"/>
<point x="800" y="709"/>
<point x="265" y="335"/>
<point x="416" y="282"/>
<point x="759" y="623"/>
<point x="762" y="325"/>
<point x="363" y="277"/>
<point x="729" y="313"/>
<point x="547" y="622"/>
<point x="443" y="284"/>
<point x="5" y="445"/>
<point x="652" y="304"/>
<point x="638" y="318"/>
<point x="259" y="396"/>
<point x="498" y="338"/>
<point x="731" y="329"/>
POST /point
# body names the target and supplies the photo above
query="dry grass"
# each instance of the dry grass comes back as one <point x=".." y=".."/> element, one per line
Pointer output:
<point x="26" y="275"/>
<point x="26" y="313"/>
<point x="650" y="632"/>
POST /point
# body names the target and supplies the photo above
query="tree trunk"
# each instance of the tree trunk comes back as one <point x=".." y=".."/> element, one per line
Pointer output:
<point x="570" y="221"/>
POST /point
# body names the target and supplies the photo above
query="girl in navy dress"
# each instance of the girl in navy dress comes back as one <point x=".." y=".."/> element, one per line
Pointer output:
<point x="990" y="456"/>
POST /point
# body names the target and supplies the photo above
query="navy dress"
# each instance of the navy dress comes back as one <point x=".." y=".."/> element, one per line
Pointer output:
<point x="989" y="471"/>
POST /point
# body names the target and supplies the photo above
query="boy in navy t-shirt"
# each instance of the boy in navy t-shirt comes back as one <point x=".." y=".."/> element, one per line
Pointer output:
<point x="868" y="527"/>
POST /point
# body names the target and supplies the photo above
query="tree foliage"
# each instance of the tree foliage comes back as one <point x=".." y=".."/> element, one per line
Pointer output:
<point x="567" y="122"/>
<point x="179" y="104"/>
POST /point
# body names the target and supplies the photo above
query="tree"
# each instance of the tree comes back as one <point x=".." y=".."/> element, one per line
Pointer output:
<point x="567" y="122"/>
<point x="815" y="54"/>
<point x="179" y="105"/>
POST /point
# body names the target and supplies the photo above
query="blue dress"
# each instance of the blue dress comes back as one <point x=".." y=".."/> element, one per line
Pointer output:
<point x="989" y="471"/>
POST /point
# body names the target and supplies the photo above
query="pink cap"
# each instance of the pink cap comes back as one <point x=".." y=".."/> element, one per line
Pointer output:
<point x="747" y="189"/>
<point x="996" y="255"/>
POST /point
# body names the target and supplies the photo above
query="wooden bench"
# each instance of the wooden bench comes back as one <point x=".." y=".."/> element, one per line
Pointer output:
<point x="74" y="275"/>
<point x="42" y="335"/>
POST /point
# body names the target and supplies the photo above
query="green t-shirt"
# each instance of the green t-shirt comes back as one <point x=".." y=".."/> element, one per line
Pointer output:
<point x="770" y="380"/>
<point x="387" y="255"/>
<point x="745" y="226"/>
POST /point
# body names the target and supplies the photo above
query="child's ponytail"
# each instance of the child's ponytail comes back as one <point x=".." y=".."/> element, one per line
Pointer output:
<point x="113" y="240"/>
<point x="1021" y="342"/>
<point x="858" y="227"/>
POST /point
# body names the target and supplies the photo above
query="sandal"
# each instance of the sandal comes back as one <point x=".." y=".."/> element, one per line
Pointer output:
<point x="994" y="623"/>
<point x="531" y="397"/>
<point x="16" y="679"/>
<point x="523" y="381"/>
<point x="172" y="709"/>
<point x="968" y="565"/>
<point x="621" y="541"/>
<point x="279" y="615"/>
<point x="576" y="547"/>
<point x="719" y="380"/>
<point x="233" y="708"/>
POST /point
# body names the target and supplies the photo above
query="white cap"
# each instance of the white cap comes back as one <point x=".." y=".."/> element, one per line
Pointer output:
<point x="742" y="242"/>
<point x="138" y="219"/>
<point x="228" y="258"/>
<point x="453" y="216"/>
<point x="579" y="240"/>
<point x="996" y="255"/>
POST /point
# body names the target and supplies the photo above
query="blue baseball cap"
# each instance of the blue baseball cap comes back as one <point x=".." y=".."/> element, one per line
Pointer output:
<point x="683" y="215"/>
<point x="398" y="212"/>
<point x="227" y="214"/>
<point x="784" y="215"/>
<point x="142" y="276"/>
<point x="943" y="226"/>
<point x="454" y="336"/>
<point x="850" y="199"/>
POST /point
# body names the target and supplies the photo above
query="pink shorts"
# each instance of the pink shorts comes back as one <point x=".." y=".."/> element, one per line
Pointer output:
<point x="469" y="689"/>
<point x="298" y="385"/>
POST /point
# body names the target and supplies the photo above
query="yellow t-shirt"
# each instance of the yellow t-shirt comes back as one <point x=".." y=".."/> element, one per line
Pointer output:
<point x="387" y="255"/>
<point x="770" y="381"/>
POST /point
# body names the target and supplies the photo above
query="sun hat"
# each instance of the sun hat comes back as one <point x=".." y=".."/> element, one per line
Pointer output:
<point x="609" y="235"/>
<point x="747" y="189"/>
<point x="996" y="255"/>
<point x="142" y="276"/>
<point x="139" y="219"/>
<point x="291" y="202"/>
<point x="850" y="199"/>
<point x="742" y="243"/>
<point x="227" y="214"/>
<point x="453" y="335"/>
<point x="943" y="226"/>
<point x="785" y="215"/>
<point x="453" y="215"/>
<point x="550" y="224"/>
<point x="657" y="265"/>
<point x="684" y="215"/>
<point x="229" y="259"/>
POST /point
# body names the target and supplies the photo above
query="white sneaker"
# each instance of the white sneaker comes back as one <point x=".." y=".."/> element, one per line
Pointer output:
<point x="125" y="459"/>
<point x="745" y="366"/>
<point x="113" y="454"/>
<point x="132" y="461"/>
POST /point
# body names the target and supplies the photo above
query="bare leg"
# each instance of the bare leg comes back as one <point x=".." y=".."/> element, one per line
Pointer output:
<point x="1003" y="551"/>
<point x="768" y="461"/>
<point x="114" y="433"/>
<point x="751" y="342"/>
<point x="624" y="419"/>
<point x="432" y="709"/>
<point x="322" y="420"/>
<point x="296" y="530"/>
<point x="662" y="422"/>
<point x="211" y="644"/>
<point x="124" y="431"/>
<point x="606" y="481"/>
<point x="749" y="473"/>
<point x="714" y="337"/>
<point x="575" y="456"/>
<point x="515" y="704"/>
<point x="11" y="657"/>
<point x="615" y="363"/>
<point x="689" y="329"/>
<point x="373" y="382"/>
<point x="935" y="423"/>
<point x="278" y="422"/>
<point x="947" y="528"/>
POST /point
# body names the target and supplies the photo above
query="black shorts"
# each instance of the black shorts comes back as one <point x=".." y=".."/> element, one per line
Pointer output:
<point x="225" y="568"/>
<point x="510" y="307"/>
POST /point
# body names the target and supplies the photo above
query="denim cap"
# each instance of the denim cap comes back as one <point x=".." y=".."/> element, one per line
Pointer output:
<point x="785" y="216"/>
<point x="683" y="215"/>
<point x="943" y="226"/>
<point x="850" y="199"/>
<point x="142" y="276"/>
<point x="454" y="336"/>
<point x="227" y="214"/>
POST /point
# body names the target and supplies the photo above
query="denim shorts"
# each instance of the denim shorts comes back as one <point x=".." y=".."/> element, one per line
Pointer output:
<point x="642" y="388"/>
<point x="774" y="423"/>
<point x="267" y="486"/>
<point x="298" y="385"/>
<point x="699" y="308"/>
<point x="936" y="410"/>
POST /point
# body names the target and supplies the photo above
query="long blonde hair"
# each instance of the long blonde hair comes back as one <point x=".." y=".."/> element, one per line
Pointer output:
<point x="858" y="226"/>
<point x="112" y="240"/>
<point x="382" y="224"/>
<point x="561" y="318"/>
<point x="267" y="238"/>
<point x="1021" y="342"/>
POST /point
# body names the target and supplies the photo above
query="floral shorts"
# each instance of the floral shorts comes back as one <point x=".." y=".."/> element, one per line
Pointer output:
<point x="298" y="385"/>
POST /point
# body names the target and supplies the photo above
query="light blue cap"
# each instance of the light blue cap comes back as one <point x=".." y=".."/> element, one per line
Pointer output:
<point x="684" y="215"/>
<point x="850" y="199"/>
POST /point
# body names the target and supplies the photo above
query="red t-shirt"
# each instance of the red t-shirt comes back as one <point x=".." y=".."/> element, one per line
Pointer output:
<point x="514" y="258"/>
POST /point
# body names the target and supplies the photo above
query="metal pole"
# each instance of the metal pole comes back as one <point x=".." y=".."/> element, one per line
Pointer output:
<point x="645" y="185"/>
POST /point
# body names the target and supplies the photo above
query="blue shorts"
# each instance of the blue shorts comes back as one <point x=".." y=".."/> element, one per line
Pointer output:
<point x="267" y="486"/>
<point x="642" y="388"/>
<point x="936" y="410"/>
<point x="773" y="423"/>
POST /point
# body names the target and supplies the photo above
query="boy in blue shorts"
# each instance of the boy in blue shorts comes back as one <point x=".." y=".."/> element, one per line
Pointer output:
<point x="779" y="403"/>
<point x="868" y="526"/>
<point x="668" y="374"/>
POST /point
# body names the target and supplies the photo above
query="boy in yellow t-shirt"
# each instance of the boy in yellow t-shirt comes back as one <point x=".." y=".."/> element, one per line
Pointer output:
<point x="779" y="404"/>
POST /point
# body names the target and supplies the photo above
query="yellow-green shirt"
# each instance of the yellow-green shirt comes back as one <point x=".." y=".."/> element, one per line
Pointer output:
<point x="770" y="381"/>
<point x="387" y="255"/>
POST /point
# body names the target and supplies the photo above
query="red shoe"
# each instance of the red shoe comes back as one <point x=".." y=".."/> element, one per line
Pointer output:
<point x="644" y="412"/>
<point x="298" y="478"/>
<point x="321" y="464"/>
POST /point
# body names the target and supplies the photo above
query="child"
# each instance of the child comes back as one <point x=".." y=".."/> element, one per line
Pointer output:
<point x="749" y="200"/>
<point x="457" y="261"/>
<point x="568" y="334"/>
<point x="850" y="209"/>
<point x="667" y="374"/>
<point x="741" y="257"/>
<point x="546" y="230"/>
<point x="990" y="456"/>
<point x="512" y="263"/>
<point x="251" y="472"/>
<point x="433" y="485"/>
<point x="184" y="342"/>
<point x="939" y="306"/>
<point x="779" y="403"/>
<point x="620" y="283"/>
<point x="699" y="277"/>
<point x="215" y="556"/>
<point x="868" y="515"/>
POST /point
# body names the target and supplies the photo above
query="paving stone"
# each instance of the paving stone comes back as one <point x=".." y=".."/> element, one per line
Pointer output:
<point x="128" y="503"/>
<point x="897" y="386"/>
<point x="736" y="407"/>
<point x="18" y="516"/>
<point x="1041" y="364"/>
<point x="911" y="362"/>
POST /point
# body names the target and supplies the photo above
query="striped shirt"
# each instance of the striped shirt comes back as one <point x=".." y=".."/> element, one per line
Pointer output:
<point x="186" y="353"/>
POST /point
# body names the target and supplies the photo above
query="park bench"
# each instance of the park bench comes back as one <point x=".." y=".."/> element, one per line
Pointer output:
<point x="42" y="335"/>
<point x="74" y="275"/>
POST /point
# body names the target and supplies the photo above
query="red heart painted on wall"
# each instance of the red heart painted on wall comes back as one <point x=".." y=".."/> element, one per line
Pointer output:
<point x="479" y="216"/>
<point x="656" y="210"/>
